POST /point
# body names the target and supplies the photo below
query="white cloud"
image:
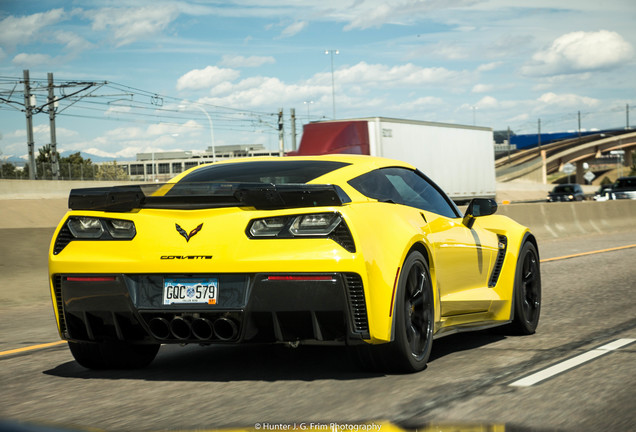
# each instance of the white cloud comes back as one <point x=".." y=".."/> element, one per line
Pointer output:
<point x="261" y="91"/>
<point x="396" y="76"/>
<point x="21" y="30"/>
<point x="567" y="100"/>
<point x="117" y="109"/>
<point x="488" y="66"/>
<point x="448" y="50"/>
<point x="487" y="102"/>
<point x="293" y="29"/>
<point x="206" y="78"/>
<point x="131" y="24"/>
<point x="236" y="61"/>
<point x="72" y="42"/>
<point x="482" y="88"/>
<point x="421" y="102"/>
<point x="580" y="52"/>
<point x="374" y="16"/>
<point x="32" y="60"/>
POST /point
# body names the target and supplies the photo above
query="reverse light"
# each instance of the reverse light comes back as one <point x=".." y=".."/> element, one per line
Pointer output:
<point x="268" y="227"/>
<point x="85" y="227"/>
<point x="320" y="224"/>
<point x="120" y="229"/>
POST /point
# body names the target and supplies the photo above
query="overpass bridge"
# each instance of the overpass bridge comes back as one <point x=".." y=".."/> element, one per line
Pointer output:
<point x="536" y="163"/>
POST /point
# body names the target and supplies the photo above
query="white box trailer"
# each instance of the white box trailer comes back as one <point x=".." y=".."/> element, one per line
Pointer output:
<point x="460" y="159"/>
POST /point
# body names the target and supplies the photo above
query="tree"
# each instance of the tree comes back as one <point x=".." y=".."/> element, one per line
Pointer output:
<point x="75" y="167"/>
<point x="44" y="162"/>
<point x="72" y="167"/>
<point x="111" y="171"/>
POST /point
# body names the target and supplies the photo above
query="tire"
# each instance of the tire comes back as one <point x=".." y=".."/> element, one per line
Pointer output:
<point x="414" y="321"/>
<point x="104" y="355"/>
<point x="527" y="291"/>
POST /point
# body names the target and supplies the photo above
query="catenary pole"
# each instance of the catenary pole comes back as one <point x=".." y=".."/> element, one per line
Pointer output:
<point x="281" y="133"/>
<point x="293" y="128"/>
<point x="52" y="108"/>
<point x="29" y="125"/>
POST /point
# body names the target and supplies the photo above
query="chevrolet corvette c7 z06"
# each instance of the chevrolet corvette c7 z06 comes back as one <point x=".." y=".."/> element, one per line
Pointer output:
<point x="354" y="250"/>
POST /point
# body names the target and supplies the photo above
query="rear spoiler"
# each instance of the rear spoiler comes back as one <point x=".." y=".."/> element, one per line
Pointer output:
<point x="190" y="196"/>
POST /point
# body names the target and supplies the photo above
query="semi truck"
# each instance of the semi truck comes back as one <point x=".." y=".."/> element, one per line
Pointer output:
<point x="459" y="158"/>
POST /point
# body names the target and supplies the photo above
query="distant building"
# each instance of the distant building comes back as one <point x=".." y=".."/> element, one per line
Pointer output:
<point x="162" y="166"/>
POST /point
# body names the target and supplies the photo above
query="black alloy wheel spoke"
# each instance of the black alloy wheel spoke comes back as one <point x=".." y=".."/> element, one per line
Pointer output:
<point x="530" y="297"/>
<point x="415" y="341"/>
<point x="417" y="317"/>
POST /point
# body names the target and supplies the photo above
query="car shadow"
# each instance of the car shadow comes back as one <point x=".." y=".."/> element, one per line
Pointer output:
<point x="463" y="342"/>
<point x="260" y="362"/>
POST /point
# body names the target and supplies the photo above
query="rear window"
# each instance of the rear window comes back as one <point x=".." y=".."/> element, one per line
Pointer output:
<point x="569" y="189"/>
<point x="628" y="182"/>
<point x="276" y="172"/>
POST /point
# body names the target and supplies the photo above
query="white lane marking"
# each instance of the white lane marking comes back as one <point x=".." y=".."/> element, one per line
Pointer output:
<point x="571" y="363"/>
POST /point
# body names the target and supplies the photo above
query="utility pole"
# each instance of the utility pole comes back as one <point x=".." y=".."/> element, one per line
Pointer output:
<point x="52" y="107"/>
<point x="281" y="133"/>
<point x="626" y="116"/>
<point x="579" y="116"/>
<point x="28" y="106"/>
<point x="293" y="128"/>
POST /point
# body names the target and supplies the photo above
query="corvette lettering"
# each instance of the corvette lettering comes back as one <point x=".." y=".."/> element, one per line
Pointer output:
<point x="186" y="257"/>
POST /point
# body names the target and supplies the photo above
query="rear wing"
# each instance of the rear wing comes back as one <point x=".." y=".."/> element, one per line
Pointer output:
<point x="190" y="196"/>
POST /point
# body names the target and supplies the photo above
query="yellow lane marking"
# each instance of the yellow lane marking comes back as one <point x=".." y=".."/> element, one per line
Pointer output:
<point x="31" y="348"/>
<point x="588" y="253"/>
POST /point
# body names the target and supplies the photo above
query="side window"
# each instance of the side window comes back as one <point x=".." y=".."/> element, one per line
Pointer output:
<point x="403" y="186"/>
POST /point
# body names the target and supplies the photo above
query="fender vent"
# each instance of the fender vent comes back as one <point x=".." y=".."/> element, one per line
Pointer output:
<point x="64" y="237"/>
<point x="57" y="287"/>
<point x="357" y="304"/>
<point x="342" y="236"/>
<point x="501" y="255"/>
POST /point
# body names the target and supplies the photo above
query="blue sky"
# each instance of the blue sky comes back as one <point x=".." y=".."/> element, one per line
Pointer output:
<point x="158" y="64"/>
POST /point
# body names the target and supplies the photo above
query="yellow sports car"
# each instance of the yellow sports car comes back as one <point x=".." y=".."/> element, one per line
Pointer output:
<point x="353" y="250"/>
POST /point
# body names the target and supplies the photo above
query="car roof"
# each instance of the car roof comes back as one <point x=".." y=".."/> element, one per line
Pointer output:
<point x="357" y="165"/>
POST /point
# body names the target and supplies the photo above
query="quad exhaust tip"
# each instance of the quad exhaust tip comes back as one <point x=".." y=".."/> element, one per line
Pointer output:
<point x="202" y="329"/>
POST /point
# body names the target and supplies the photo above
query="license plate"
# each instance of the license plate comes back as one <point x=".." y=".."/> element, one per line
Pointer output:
<point x="190" y="291"/>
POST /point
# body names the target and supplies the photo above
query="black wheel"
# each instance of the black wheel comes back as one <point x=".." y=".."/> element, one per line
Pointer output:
<point x="113" y="355"/>
<point x="414" y="320"/>
<point x="527" y="291"/>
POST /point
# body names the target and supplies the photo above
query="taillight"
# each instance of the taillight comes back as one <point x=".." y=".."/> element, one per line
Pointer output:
<point x="307" y="225"/>
<point x="85" y="227"/>
<point x="313" y="225"/>
<point x="94" y="228"/>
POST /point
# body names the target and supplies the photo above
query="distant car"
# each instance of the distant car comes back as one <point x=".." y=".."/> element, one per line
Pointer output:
<point x="566" y="192"/>
<point x="603" y="192"/>
<point x="351" y="250"/>
<point x="624" y="188"/>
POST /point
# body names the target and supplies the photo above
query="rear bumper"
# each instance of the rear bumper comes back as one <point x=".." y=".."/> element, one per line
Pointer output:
<point x="265" y="308"/>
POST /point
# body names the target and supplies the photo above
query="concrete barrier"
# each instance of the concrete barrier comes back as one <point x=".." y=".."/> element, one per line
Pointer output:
<point x="556" y="220"/>
<point x="41" y="204"/>
<point x="29" y="189"/>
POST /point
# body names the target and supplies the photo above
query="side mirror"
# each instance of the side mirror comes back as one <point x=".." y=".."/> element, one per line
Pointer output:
<point x="478" y="207"/>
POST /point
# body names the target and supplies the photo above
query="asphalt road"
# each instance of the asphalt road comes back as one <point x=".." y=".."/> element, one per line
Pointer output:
<point x="588" y="302"/>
